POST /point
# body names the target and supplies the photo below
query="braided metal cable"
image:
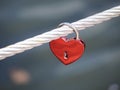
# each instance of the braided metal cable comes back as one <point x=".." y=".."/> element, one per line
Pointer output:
<point x="58" y="32"/>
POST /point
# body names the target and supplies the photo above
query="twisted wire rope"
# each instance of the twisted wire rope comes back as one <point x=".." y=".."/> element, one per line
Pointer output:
<point x="58" y="32"/>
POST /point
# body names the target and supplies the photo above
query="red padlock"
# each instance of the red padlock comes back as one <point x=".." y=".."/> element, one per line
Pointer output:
<point x="67" y="50"/>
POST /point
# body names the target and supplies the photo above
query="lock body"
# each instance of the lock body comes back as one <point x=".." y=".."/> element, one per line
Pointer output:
<point x="67" y="50"/>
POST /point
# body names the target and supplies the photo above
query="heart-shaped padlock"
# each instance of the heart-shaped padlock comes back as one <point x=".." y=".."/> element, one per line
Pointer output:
<point x="67" y="50"/>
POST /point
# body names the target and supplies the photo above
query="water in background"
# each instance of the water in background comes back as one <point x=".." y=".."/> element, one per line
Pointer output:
<point x="38" y="69"/>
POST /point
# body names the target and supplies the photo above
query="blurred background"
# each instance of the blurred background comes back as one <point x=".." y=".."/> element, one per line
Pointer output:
<point x="39" y="69"/>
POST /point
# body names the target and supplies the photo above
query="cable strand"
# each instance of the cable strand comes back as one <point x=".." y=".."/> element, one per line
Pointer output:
<point x="58" y="32"/>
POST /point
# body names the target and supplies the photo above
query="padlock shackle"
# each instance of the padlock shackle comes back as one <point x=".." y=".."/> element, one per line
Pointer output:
<point x="72" y="27"/>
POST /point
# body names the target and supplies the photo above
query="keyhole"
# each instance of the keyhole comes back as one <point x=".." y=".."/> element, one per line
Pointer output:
<point x="65" y="55"/>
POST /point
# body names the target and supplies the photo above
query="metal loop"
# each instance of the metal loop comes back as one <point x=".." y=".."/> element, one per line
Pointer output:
<point x="72" y="27"/>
